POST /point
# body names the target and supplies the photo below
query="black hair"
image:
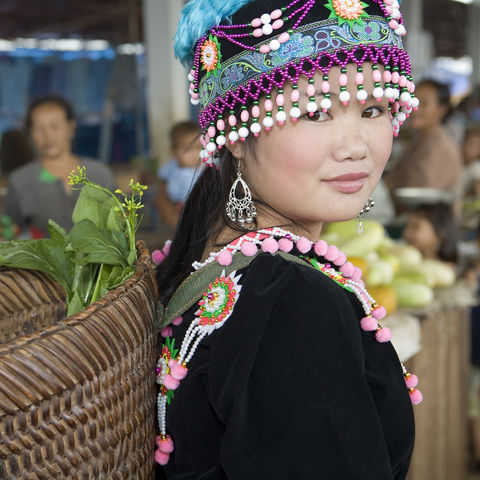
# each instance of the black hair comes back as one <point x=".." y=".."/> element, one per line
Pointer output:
<point x="15" y="150"/>
<point x="180" y="129"/>
<point x="52" y="99"/>
<point x="443" y="95"/>
<point x="443" y="221"/>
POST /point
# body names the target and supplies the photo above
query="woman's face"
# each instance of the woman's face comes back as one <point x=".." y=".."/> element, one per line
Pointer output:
<point x="431" y="112"/>
<point x="51" y="131"/>
<point x="321" y="168"/>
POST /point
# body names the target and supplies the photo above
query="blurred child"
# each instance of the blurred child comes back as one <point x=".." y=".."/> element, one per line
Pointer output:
<point x="432" y="229"/>
<point x="471" y="161"/>
<point x="180" y="173"/>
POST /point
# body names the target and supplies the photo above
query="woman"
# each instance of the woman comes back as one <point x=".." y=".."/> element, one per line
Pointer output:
<point x="39" y="190"/>
<point x="273" y="364"/>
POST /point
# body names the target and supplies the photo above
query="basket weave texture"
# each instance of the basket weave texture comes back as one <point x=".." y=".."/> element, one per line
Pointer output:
<point x="77" y="394"/>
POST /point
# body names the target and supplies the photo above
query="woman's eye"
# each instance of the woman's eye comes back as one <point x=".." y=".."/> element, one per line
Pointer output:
<point x="318" y="116"/>
<point x="372" y="112"/>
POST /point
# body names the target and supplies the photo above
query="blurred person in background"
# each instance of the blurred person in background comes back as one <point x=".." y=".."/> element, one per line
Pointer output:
<point x="39" y="190"/>
<point x="471" y="161"/>
<point x="15" y="150"/>
<point x="179" y="174"/>
<point x="433" y="230"/>
<point x="433" y="158"/>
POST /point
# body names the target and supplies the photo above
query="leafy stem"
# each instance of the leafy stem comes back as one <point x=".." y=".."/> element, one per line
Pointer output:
<point x="126" y="208"/>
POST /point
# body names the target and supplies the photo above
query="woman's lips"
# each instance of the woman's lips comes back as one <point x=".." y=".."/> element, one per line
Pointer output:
<point x="348" y="183"/>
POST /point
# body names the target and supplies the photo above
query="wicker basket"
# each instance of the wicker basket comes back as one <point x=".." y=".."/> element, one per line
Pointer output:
<point x="77" y="394"/>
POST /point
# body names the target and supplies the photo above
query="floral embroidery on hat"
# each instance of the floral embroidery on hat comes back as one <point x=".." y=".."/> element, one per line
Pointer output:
<point x="350" y="11"/>
<point x="210" y="54"/>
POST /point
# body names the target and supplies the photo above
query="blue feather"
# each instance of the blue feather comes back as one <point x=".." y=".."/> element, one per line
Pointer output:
<point x="196" y="18"/>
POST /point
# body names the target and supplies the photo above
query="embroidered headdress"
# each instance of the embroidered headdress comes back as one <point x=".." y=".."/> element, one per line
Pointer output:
<point x="244" y="51"/>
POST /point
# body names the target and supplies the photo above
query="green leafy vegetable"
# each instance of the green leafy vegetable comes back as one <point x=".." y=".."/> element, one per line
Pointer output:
<point x="99" y="252"/>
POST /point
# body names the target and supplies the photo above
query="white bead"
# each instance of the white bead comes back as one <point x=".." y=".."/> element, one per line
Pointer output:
<point x="389" y="93"/>
<point x="295" y="112"/>
<point x="267" y="29"/>
<point x="274" y="45"/>
<point x="344" y="96"/>
<point x="378" y="92"/>
<point x="243" y="132"/>
<point x="221" y="140"/>
<point x="203" y="153"/>
<point x="401" y="117"/>
<point x="415" y="102"/>
<point x="265" y="18"/>
<point x="326" y="104"/>
<point x="268" y="122"/>
<point x="211" y="147"/>
<point x="190" y="77"/>
<point x="395" y="14"/>
<point x="405" y="97"/>
<point x="312" y="107"/>
<point x="233" y="136"/>
<point x="281" y="116"/>
<point x="255" y="128"/>
<point x="396" y="93"/>
<point x="395" y="122"/>
<point x="400" y="31"/>
<point x="362" y="95"/>
<point x="194" y="101"/>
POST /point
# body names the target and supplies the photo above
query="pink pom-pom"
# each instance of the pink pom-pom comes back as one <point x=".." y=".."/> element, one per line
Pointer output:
<point x="285" y="245"/>
<point x="161" y="457"/>
<point x="383" y="335"/>
<point x="411" y="381"/>
<point x="224" y="258"/>
<point x="165" y="444"/>
<point x="379" y="312"/>
<point x="269" y="245"/>
<point x="166" y="332"/>
<point x="321" y="248"/>
<point x="368" y="324"/>
<point x="356" y="275"/>
<point x="332" y="253"/>
<point x="170" y="382"/>
<point x="158" y="256"/>
<point x="177" y="370"/>
<point x="304" y="245"/>
<point x="416" y="396"/>
<point x="347" y="269"/>
<point x="178" y="321"/>
<point x="341" y="259"/>
<point x="166" y="248"/>
<point x="249" y="249"/>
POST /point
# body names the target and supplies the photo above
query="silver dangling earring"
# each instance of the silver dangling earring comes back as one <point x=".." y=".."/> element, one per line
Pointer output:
<point x="241" y="210"/>
<point x="368" y="206"/>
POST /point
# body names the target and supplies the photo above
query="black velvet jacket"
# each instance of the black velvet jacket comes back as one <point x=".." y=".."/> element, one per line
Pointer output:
<point x="290" y="388"/>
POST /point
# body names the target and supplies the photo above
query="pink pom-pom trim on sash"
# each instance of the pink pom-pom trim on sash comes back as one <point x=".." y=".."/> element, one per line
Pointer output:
<point x="177" y="370"/>
<point x="383" y="335"/>
<point x="368" y="324"/>
<point x="224" y="258"/>
<point x="411" y="381"/>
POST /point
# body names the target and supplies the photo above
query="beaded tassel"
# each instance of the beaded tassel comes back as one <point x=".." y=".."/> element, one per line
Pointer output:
<point x="294" y="97"/>
<point x="326" y="103"/>
<point x="280" y="116"/>
<point x="344" y="96"/>
<point x="312" y="106"/>
<point x="378" y="91"/>
<point x="361" y="92"/>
